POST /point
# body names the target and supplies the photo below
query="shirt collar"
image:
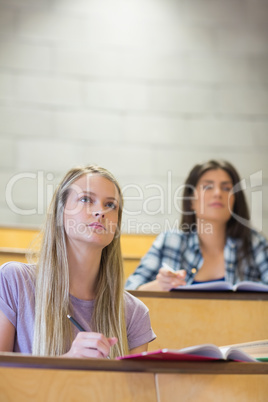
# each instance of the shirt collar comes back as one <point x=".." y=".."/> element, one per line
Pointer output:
<point x="195" y="245"/>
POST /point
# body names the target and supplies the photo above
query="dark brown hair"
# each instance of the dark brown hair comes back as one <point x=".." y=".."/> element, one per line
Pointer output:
<point x="235" y="228"/>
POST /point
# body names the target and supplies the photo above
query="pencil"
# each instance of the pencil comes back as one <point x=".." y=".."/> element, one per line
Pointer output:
<point x="76" y="323"/>
<point x="168" y="267"/>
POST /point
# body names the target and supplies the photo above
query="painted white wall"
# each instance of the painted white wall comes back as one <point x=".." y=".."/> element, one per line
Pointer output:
<point x="145" y="88"/>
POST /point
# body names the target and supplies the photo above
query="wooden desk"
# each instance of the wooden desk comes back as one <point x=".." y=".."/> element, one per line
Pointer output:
<point x="45" y="379"/>
<point x="188" y="318"/>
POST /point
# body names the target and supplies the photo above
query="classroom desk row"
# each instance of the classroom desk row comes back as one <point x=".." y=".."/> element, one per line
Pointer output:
<point x="188" y="318"/>
<point x="50" y="379"/>
<point x="130" y="262"/>
<point x="15" y="242"/>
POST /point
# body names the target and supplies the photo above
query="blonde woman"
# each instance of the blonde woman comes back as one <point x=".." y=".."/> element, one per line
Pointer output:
<point x="79" y="273"/>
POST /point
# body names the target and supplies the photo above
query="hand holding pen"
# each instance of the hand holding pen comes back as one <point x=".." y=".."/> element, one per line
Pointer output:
<point x="89" y="344"/>
<point x="168" y="278"/>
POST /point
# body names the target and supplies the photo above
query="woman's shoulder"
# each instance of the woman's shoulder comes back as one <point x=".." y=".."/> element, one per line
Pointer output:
<point x="15" y="270"/>
<point x="257" y="237"/>
<point x="133" y="304"/>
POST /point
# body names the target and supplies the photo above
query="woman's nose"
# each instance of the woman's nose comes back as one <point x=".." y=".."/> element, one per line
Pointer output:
<point x="217" y="191"/>
<point x="99" y="214"/>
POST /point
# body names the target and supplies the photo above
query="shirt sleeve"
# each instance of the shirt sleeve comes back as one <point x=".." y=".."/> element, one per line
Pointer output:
<point x="139" y="330"/>
<point x="149" y="265"/>
<point x="8" y="299"/>
<point x="260" y="255"/>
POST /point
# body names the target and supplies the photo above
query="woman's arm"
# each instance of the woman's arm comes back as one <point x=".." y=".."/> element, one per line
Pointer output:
<point x="150" y="274"/>
<point x="7" y="334"/>
<point x="259" y="245"/>
<point x="139" y="349"/>
<point x="165" y="280"/>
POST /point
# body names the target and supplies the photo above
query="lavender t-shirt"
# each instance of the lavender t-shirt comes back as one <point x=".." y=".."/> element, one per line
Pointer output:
<point x="17" y="301"/>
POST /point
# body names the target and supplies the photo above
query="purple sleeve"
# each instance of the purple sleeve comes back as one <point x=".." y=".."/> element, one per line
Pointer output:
<point x="139" y="330"/>
<point x="17" y="302"/>
<point x="8" y="303"/>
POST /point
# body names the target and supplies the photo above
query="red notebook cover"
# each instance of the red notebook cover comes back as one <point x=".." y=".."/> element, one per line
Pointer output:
<point x="165" y="354"/>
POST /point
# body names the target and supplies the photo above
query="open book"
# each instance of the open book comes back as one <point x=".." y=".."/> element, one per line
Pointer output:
<point x="197" y="353"/>
<point x="244" y="286"/>
<point x="256" y="349"/>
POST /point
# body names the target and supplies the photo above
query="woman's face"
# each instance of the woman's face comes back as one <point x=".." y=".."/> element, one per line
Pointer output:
<point x="214" y="199"/>
<point x="91" y="211"/>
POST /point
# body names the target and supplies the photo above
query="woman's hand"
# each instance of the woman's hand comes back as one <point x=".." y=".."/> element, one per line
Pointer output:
<point x="168" y="279"/>
<point x="91" y="344"/>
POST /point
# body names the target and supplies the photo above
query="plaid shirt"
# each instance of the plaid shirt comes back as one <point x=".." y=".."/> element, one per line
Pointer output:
<point x="181" y="250"/>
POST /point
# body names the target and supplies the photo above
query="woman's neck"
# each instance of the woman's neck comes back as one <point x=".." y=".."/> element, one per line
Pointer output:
<point x="84" y="263"/>
<point x="214" y="238"/>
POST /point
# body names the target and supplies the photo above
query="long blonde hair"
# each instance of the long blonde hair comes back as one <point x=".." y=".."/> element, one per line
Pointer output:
<point x="52" y="332"/>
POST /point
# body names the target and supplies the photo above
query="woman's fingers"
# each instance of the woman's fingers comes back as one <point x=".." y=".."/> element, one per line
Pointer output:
<point x="91" y="344"/>
<point x="112" y="341"/>
<point x="168" y="279"/>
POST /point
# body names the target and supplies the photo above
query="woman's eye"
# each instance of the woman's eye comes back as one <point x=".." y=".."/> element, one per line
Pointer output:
<point x="228" y="189"/>
<point x="85" y="199"/>
<point x="207" y="186"/>
<point x="111" y="205"/>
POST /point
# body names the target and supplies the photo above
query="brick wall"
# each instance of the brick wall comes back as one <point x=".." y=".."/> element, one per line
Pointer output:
<point x="145" y="88"/>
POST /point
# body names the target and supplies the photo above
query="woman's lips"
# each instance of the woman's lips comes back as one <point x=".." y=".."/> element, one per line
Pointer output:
<point x="216" y="204"/>
<point x="96" y="225"/>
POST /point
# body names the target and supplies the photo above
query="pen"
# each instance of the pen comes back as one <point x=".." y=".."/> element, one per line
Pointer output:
<point x="76" y="323"/>
<point x="168" y="267"/>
